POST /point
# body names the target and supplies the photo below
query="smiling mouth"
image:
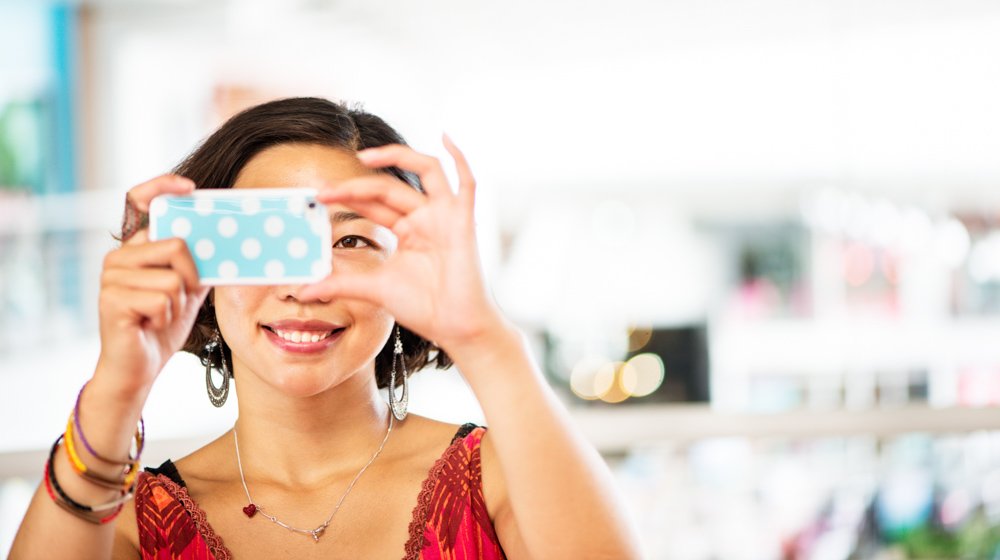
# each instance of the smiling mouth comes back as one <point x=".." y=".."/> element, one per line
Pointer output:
<point x="302" y="336"/>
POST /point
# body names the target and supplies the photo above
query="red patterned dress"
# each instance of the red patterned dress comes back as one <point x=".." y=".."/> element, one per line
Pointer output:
<point x="450" y="521"/>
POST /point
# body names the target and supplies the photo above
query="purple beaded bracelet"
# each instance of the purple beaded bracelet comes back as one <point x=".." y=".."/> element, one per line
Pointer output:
<point x="86" y="444"/>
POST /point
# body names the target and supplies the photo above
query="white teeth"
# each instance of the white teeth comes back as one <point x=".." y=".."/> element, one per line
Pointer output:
<point x="302" y="336"/>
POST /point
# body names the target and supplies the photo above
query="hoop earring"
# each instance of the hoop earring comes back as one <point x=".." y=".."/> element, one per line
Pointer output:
<point x="398" y="406"/>
<point x="216" y="395"/>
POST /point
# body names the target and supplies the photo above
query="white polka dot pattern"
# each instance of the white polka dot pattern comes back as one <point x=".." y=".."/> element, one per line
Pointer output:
<point x="274" y="226"/>
<point x="181" y="227"/>
<point x="250" y="248"/>
<point x="268" y="236"/>
<point x="274" y="269"/>
<point x="228" y="226"/>
<point x="297" y="248"/>
<point x="204" y="249"/>
<point x="228" y="269"/>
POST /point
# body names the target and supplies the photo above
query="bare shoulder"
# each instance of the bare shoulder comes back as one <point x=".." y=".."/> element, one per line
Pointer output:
<point x="426" y="430"/>
<point x="421" y="437"/>
<point x="202" y="464"/>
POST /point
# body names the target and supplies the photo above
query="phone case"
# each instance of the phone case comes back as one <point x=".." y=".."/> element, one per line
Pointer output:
<point x="248" y="236"/>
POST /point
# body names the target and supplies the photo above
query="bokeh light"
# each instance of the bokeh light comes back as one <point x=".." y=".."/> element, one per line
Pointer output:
<point x="584" y="380"/>
<point x="606" y="385"/>
<point x="642" y="375"/>
<point x="639" y="336"/>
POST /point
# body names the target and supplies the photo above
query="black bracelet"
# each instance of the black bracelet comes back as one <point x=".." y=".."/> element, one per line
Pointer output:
<point x="51" y="474"/>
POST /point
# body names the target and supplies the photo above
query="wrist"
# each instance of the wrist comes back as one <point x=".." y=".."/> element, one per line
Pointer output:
<point x="490" y="329"/>
<point x="107" y="390"/>
<point x="497" y="337"/>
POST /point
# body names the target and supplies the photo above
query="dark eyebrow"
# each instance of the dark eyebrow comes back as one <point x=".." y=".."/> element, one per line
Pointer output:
<point x="341" y="217"/>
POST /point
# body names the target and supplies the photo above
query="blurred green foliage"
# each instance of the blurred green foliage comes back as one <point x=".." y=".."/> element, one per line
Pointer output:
<point x="21" y="147"/>
<point x="976" y="539"/>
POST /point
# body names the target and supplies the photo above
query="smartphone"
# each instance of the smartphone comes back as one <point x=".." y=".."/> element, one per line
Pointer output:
<point x="248" y="236"/>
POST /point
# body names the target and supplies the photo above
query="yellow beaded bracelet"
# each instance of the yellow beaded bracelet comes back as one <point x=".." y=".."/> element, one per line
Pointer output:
<point x="130" y="472"/>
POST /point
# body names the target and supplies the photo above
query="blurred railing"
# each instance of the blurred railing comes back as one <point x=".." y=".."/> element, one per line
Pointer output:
<point x="51" y="249"/>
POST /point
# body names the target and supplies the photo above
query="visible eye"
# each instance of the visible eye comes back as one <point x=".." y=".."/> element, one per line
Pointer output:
<point x="351" y="242"/>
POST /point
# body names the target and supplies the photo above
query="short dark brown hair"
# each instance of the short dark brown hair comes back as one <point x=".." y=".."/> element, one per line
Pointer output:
<point x="219" y="159"/>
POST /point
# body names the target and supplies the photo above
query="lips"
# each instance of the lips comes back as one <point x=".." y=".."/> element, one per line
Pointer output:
<point x="295" y="335"/>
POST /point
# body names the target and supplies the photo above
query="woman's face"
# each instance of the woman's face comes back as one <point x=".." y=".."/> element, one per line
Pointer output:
<point x="271" y="331"/>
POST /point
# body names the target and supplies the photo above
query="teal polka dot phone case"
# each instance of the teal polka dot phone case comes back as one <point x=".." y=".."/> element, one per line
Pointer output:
<point x="248" y="236"/>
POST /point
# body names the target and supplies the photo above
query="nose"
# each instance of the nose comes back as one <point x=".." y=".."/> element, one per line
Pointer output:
<point x="290" y="292"/>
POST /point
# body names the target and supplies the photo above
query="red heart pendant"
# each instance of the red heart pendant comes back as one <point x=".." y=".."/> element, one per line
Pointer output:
<point x="250" y="510"/>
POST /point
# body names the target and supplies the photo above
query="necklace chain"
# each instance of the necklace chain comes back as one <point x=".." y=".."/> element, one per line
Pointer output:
<point x="318" y="531"/>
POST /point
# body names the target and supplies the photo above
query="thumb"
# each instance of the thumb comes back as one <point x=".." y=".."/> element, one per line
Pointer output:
<point x="195" y="301"/>
<point x="367" y="287"/>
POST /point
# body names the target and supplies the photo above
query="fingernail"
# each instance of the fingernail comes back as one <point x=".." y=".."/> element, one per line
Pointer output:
<point x="366" y="154"/>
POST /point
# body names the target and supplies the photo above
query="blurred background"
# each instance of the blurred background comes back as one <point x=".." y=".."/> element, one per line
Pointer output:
<point x="755" y="244"/>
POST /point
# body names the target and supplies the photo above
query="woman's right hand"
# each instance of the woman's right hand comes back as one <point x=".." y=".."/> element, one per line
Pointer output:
<point x="150" y="297"/>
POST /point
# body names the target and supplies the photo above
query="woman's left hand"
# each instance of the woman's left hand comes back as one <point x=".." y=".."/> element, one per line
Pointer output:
<point x="433" y="283"/>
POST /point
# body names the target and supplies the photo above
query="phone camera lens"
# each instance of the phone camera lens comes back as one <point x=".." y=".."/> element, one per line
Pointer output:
<point x="312" y="205"/>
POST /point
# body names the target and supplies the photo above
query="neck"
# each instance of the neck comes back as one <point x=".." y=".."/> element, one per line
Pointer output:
<point x="302" y="441"/>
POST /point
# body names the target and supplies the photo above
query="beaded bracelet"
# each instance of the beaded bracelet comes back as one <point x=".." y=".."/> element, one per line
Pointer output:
<point x="60" y="497"/>
<point x="86" y="444"/>
<point x="81" y="515"/>
<point x="81" y="468"/>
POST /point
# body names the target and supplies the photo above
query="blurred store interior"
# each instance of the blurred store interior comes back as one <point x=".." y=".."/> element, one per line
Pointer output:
<point x="755" y="244"/>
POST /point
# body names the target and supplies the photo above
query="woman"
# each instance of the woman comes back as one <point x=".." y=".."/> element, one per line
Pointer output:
<point x="317" y="465"/>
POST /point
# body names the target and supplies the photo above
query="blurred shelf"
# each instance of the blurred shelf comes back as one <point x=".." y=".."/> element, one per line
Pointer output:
<point x="24" y="214"/>
<point x="835" y="346"/>
<point x="615" y="430"/>
<point x="29" y="464"/>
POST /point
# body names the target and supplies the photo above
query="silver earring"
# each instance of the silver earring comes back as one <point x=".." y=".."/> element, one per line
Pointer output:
<point x="216" y="395"/>
<point x="398" y="406"/>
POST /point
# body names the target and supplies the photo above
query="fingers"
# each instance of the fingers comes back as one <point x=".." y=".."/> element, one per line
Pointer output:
<point x="137" y="202"/>
<point x="380" y="198"/>
<point x="168" y="253"/>
<point x="139" y="305"/>
<point x="155" y="283"/>
<point x="366" y="286"/>
<point x="142" y="194"/>
<point x="466" y="182"/>
<point x="428" y="168"/>
<point x="384" y="189"/>
<point x="376" y="212"/>
<point x="138" y="238"/>
<point x="164" y="281"/>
